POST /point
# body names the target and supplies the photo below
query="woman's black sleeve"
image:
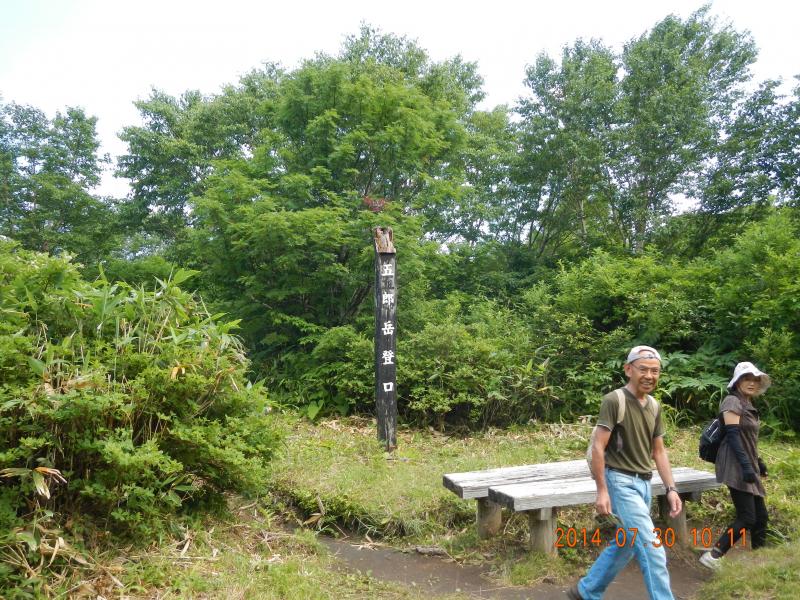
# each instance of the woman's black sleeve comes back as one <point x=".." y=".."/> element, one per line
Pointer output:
<point x="732" y="433"/>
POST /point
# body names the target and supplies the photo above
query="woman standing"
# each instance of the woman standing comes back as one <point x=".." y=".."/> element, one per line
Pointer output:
<point x="738" y="465"/>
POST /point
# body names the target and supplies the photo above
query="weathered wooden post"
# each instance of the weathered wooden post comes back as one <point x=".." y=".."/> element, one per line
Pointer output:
<point x="543" y="523"/>
<point x="678" y="522"/>
<point x="385" y="338"/>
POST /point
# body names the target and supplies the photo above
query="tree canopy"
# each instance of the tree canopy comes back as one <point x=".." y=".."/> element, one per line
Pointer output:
<point x="597" y="211"/>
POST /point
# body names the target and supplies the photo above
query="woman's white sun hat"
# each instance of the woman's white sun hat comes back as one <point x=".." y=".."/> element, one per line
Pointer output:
<point x="745" y="368"/>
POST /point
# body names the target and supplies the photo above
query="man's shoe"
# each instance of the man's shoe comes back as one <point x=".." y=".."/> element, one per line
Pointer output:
<point x="707" y="559"/>
<point x="573" y="594"/>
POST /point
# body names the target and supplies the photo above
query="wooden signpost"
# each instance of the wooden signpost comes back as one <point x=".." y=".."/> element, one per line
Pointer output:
<point x="385" y="338"/>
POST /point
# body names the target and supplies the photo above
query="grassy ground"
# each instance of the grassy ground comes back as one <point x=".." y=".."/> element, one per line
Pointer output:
<point x="337" y="477"/>
<point x="337" y="471"/>
<point x="245" y="555"/>
<point x="334" y="477"/>
<point x="769" y="573"/>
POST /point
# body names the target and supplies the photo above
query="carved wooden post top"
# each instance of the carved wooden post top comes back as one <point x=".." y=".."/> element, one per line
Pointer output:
<point x="384" y="240"/>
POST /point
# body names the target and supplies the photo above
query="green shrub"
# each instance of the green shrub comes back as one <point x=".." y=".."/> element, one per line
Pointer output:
<point x="756" y="307"/>
<point x="137" y="398"/>
<point x="469" y="363"/>
<point x="552" y="351"/>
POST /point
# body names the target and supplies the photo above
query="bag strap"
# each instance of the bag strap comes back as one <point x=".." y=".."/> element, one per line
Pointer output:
<point x="721" y="419"/>
<point x="651" y="405"/>
<point x="620" y="405"/>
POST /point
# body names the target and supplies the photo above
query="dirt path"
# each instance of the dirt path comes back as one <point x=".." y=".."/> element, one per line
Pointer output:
<point x="439" y="577"/>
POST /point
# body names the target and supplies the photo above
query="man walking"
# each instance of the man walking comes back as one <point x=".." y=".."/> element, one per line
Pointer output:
<point x="621" y="465"/>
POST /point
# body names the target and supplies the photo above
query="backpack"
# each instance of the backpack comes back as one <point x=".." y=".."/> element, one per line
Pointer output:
<point x="651" y="405"/>
<point x="710" y="439"/>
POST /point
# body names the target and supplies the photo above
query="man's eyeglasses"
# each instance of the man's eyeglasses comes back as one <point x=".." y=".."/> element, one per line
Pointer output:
<point x="645" y="370"/>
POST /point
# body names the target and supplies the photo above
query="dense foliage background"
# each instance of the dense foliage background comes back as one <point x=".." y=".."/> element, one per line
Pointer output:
<point x="642" y="196"/>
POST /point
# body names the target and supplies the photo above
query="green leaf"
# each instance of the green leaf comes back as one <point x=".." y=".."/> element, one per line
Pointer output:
<point x="182" y="275"/>
<point x="29" y="538"/>
<point x="11" y="404"/>
<point x="313" y="409"/>
<point x="37" y="365"/>
<point x="31" y="300"/>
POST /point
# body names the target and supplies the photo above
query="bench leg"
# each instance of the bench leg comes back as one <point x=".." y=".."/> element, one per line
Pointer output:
<point x="677" y="523"/>
<point x="489" y="518"/>
<point x="543" y="524"/>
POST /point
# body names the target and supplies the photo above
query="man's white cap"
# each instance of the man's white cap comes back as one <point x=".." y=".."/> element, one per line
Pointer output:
<point x="745" y="368"/>
<point x="638" y="352"/>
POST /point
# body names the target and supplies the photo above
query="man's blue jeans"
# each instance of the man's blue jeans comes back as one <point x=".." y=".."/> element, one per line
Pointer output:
<point x="630" y="501"/>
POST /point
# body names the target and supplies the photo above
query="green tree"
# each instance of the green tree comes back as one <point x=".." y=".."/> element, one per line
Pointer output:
<point x="362" y="130"/>
<point x="170" y="155"/>
<point x="380" y="119"/>
<point x="787" y="144"/>
<point x="281" y="232"/>
<point x="562" y="172"/>
<point x="609" y="141"/>
<point x="47" y="171"/>
<point x="680" y="81"/>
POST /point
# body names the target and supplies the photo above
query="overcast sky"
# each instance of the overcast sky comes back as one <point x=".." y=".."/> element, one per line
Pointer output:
<point x="104" y="54"/>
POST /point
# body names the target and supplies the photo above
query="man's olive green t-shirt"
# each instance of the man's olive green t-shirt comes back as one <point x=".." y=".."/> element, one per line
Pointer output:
<point x="631" y="444"/>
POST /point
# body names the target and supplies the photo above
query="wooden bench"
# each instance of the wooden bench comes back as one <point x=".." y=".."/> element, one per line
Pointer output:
<point x="541" y="489"/>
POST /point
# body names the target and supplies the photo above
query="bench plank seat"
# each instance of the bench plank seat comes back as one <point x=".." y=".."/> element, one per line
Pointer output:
<point x="570" y="491"/>
<point x="476" y="484"/>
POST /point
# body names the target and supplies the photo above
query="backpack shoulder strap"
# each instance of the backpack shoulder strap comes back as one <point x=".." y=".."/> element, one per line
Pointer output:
<point x="652" y="405"/>
<point x="620" y="405"/>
